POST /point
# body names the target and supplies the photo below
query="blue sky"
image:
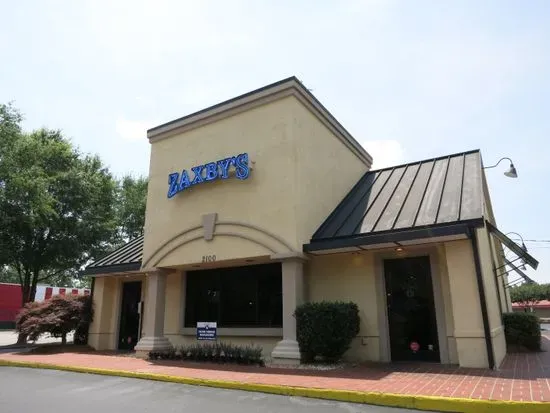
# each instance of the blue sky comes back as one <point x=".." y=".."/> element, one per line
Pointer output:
<point x="409" y="79"/>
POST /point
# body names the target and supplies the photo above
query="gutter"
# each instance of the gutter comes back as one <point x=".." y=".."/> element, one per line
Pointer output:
<point x="482" y="299"/>
<point x="92" y="288"/>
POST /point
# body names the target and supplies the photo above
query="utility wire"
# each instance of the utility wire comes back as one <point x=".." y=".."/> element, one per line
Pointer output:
<point x="532" y="240"/>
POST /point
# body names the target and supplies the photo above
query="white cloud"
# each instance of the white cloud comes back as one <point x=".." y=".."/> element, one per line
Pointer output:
<point x="133" y="130"/>
<point x="385" y="153"/>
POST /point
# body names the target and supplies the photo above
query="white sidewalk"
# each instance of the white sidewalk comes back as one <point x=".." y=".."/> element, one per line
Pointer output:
<point x="10" y="337"/>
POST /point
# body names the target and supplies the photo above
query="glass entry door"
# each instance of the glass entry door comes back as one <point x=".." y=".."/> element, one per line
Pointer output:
<point x="411" y="310"/>
<point x="129" y="315"/>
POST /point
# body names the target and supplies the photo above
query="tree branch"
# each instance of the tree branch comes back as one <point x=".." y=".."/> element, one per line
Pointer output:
<point x="48" y="276"/>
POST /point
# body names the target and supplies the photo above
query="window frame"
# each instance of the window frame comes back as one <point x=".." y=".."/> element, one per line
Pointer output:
<point x="256" y="272"/>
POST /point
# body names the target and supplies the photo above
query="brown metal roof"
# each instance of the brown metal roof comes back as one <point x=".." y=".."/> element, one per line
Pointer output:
<point x="126" y="258"/>
<point x="432" y="192"/>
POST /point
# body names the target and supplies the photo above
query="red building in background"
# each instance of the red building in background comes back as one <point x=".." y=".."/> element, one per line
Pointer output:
<point x="11" y="297"/>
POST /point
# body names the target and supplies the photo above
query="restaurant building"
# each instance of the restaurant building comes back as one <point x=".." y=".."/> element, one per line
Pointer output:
<point x="265" y="201"/>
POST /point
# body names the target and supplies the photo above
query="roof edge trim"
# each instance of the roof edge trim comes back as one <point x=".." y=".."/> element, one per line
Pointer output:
<point x="437" y="158"/>
<point x="528" y="258"/>
<point x="108" y="269"/>
<point x="287" y="87"/>
<point x="407" y="234"/>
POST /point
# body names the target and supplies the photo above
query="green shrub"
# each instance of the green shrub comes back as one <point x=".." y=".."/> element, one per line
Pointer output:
<point x="522" y="329"/>
<point x="326" y="329"/>
<point x="217" y="352"/>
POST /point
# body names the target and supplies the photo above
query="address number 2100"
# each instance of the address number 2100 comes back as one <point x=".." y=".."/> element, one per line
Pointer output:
<point x="208" y="258"/>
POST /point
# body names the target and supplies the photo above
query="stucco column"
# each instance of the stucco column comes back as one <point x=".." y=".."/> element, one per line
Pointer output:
<point x="100" y="333"/>
<point x="287" y="351"/>
<point x="153" y="327"/>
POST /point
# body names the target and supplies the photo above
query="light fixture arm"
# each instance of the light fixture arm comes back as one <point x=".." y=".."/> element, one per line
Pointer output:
<point x="495" y="165"/>
<point x="515" y="233"/>
<point x="523" y="247"/>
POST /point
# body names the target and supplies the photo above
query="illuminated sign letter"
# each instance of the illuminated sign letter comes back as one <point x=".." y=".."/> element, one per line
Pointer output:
<point x="241" y="166"/>
<point x="237" y="166"/>
<point x="173" y="184"/>
<point x="211" y="171"/>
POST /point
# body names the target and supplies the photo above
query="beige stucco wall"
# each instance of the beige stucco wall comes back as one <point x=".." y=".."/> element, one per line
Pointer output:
<point x="349" y="277"/>
<point x="286" y="197"/>
<point x="107" y="299"/>
<point x="491" y="295"/>
<point x="353" y="277"/>
<point x="101" y="330"/>
<point x="360" y="278"/>
<point x="447" y="298"/>
<point x="325" y="171"/>
<point x="468" y="323"/>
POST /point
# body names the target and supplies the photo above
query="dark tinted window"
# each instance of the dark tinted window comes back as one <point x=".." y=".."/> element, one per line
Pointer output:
<point x="248" y="296"/>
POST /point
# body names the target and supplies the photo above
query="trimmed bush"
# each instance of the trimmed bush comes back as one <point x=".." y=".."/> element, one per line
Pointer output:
<point x="326" y="329"/>
<point x="523" y="330"/>
<point x="217" y="352"/>
<point x="57" y="316"/>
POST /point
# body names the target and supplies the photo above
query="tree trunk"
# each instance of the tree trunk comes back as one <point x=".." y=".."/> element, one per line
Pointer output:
<point x="64" y="339"/>
<point x="21" y="338"/>
<point x="28" y="294"/>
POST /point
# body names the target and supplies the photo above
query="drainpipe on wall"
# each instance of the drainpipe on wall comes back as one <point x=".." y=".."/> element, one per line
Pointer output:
<point x="497" y="286"/>
<point x="91" y="298"/>
<point x="482" y="299"/>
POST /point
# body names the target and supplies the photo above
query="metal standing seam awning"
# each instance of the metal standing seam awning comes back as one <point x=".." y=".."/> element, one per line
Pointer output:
<point x="516" y="249"/>
<point x="438" y="199"/>
<point x="125" y="259"/>
<point x="518" y="271"/>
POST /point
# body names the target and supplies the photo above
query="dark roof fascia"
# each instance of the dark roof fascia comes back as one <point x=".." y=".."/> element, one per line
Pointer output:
<point x="328" y="116"/>
<point x="225" y="102"/>
<point x="406" y="234"/>
<point x="452" y="155"/>
<point x="108" y="269"/>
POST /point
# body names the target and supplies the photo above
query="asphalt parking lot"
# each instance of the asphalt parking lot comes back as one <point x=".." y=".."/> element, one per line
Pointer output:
<point x="51" y="391"/>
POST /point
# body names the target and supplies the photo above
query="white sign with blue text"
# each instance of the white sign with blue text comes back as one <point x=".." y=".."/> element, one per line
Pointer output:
<point x="207" y="330"/>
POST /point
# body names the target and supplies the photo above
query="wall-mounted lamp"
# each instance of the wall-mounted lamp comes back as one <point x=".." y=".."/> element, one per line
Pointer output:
<point x="523" y="247"/>
<point x="510" y="172"/>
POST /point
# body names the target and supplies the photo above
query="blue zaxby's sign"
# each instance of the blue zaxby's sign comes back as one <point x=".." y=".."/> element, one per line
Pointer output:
<point x="209" y="172"/>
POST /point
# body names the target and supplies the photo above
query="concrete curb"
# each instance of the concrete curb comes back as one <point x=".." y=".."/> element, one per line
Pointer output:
<point x="442" y="404"/>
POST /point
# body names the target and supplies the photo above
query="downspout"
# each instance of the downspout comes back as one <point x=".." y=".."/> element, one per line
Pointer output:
<point x="497" y="286"/>
<point x="91" y="298"/>
<point x="482" y="299"/>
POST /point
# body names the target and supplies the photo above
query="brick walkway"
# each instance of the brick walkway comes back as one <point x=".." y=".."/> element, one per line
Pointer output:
<point x="522" y="377"/>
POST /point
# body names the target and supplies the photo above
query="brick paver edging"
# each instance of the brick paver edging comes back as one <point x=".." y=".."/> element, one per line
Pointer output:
<point x="443" y="404"/>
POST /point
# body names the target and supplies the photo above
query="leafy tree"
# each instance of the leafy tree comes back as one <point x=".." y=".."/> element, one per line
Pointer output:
<point x="8" y="275"/>
<point x="10" y="119"/>
<point x="132" y="197"/>
<point x="56" y="205"/>
<point x="530" y="294"/>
